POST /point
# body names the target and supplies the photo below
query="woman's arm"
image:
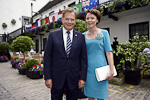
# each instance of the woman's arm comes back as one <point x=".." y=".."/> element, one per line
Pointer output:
<point x="109" y="55"/>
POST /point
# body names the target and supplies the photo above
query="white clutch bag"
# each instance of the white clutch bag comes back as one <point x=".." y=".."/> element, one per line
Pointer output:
<point x="102" y="72"/>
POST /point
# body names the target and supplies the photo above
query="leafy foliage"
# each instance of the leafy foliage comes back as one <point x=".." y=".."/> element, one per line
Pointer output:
<point x="4" y="47"/>
<point x="145" y="57"/>
<point x="22" y="43"/>
<point x="80" y="26"/>
<point x="131" y="50"/>
<point x="4" y="25"/>
<point x="31" y="62"/>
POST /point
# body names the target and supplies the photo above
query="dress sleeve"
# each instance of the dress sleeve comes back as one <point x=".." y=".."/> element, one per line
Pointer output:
<point x="107" y="44"/>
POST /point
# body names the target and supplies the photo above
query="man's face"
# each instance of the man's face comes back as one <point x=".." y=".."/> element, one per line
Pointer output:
<point x="69" y="20"/>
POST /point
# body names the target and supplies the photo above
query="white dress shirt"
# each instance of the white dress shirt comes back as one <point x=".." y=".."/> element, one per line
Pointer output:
<point x="65" y="36"/>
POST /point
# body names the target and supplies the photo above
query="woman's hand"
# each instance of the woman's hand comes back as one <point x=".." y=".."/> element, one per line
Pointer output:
<point x="110" y="76"/>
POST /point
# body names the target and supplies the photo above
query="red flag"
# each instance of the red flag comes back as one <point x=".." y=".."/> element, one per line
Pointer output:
<point x="46" y="20"/>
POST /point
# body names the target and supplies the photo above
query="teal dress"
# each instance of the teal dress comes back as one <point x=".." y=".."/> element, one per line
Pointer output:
<point x="96" y="49"/>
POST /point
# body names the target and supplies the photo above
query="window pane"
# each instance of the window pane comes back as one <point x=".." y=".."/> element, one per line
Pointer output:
<point x="140" y="28"/>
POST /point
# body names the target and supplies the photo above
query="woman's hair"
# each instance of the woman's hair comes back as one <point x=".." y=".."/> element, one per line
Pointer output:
<point x="94" y="12"/>
<point x="69" y="10"/>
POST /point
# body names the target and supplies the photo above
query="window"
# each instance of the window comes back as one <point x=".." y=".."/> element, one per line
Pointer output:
<point x="140" y="28"/>
<point x="72" y="4"/>
<point x="44" y="43"/>
<point x="26" y="21"/>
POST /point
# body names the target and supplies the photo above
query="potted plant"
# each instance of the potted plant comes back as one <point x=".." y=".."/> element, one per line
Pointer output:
<point x="22" y="44"/>
<point x="131" y="55"/>
<point x="4" y="47"/>
<point x="13" y="21"/>
<point x="15" y="61"/>
<point x="3" y="59"/>
<point x="21" y="67"/>
<point x="145" y="60"/>
<point x="34" y="69"/>
<point x="4" y="25"/>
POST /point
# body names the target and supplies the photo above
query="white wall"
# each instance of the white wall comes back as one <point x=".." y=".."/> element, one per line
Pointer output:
<point x="120" y="28"/>
<point x="56" y="8"/>
<point x="13" y="9"/>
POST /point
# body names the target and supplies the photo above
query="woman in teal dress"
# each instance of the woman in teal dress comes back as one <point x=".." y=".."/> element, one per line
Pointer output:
<point x="98" y="43"/>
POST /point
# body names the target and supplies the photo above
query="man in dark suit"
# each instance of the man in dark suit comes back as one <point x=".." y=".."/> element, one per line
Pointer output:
<point x="65" y="59"/>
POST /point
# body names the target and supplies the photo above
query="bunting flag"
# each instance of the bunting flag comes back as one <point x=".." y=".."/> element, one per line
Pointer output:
<point x="77" y="8"/>
<point x="59" y="14"/>
<point x="33" y="25"/>
<point x="104" y="1"/>
<point x="46" y="20"/>
<point x="39" y="23"/>
<point x="88" y="4"/>
<point x="28" y="27"/>
<point x="53" y="17"/>
<point x="42" y="22"/>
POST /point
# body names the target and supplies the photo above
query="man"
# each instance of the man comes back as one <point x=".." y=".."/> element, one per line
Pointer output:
<point x="65" y="59"/>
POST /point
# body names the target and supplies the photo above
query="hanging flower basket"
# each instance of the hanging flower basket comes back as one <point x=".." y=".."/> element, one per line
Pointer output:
<point x="4" y="25"/>
<point x="13" y="21"/>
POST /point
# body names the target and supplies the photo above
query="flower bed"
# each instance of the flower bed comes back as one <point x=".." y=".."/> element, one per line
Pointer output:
<point x="34" y="69"/>
<point x="3" y="59"/>
<point x="15" y="61"/>
<point x="21" y="68"/>
<point x="35" y="72"/>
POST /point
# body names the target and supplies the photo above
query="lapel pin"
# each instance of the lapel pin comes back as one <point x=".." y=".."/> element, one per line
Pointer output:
<point x="75" y="34"/>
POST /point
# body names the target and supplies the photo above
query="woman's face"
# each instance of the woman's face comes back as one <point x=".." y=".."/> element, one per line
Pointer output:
<point x="91" y="20"/>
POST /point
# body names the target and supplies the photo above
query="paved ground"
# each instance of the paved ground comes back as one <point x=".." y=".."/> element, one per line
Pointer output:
<point x="14" y="86"/>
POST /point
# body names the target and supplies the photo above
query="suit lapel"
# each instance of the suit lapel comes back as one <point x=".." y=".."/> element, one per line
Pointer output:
<point x="60" y="36"/>
<point x="75" y="40"/>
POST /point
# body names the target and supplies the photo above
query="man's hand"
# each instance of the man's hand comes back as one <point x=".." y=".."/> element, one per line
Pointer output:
<point x="48" y="83"/>
<point x="81" y="84"/>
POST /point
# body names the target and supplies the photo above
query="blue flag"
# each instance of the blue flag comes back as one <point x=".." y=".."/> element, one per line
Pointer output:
<point x="88" y="4"/>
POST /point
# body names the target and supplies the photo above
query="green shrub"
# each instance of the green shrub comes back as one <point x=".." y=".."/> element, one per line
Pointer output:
<point x="80" y="26"/>
<point x="31" y="62"/>
<point x="22" y="43"/>
<point x="4" y="47"/>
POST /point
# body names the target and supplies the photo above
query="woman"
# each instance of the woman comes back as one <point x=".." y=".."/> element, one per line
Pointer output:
<point x="97" y="42"/>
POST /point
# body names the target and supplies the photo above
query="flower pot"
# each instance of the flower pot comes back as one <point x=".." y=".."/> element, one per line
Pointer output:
<point x="22" y="71"/>
<point x="33" y="75"/>
<point x="133" y="76"/>
<point x="3" y="60"/>
<point x="13" y="65"/>
<point x="105" y="11"/>
<point x="128" y="5"/>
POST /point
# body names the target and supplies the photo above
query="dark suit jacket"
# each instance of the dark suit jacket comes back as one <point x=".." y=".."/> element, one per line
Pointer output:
<point x="59" y="67"/>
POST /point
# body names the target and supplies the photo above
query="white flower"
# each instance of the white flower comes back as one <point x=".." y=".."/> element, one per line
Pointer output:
<point x="99" y="36"/>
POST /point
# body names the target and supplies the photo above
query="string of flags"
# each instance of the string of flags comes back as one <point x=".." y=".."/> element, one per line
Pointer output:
<point x="86" y="4"/>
